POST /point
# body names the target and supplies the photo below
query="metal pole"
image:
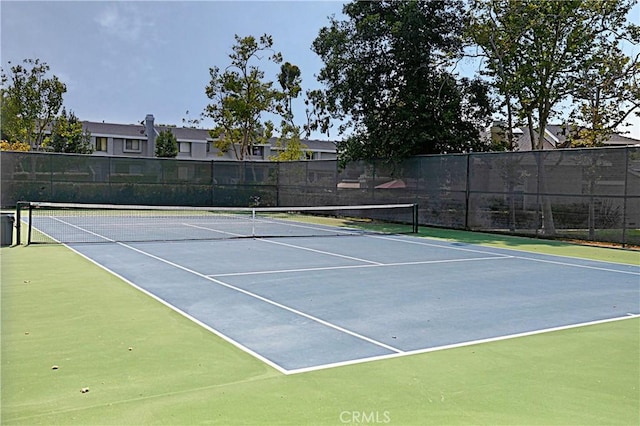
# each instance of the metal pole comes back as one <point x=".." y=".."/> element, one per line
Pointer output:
<point x="467" y="193"/>
<point x="279" y="166"/>
<point x="624" y="203"/>
<point x="17" y="225"/>
<point x="212" y="183"/>
<point x="253" y="222"/>
<point x="30" y="224"/>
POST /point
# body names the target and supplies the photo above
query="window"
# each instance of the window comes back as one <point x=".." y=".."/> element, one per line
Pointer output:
<point x="257" y="151"/>
<point x="132" y="145"/>
<point x="185" y="147"/>
<point x="101" y="144"/>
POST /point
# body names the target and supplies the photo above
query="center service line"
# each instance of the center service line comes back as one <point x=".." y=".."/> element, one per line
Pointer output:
<point x="382" y="265"/>
<point x="269" y="301"/>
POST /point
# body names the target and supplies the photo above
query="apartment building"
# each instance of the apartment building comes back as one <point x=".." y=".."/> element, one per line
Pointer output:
<point x="138" y="140"/>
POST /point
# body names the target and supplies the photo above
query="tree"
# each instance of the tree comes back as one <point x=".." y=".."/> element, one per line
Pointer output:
<point x="67" y="135"/>
<point x="387" y="79"/>
<point x="166" y="144"/>
<point x="14" y="146"/>
<point x="290" y="134"/>
<point x="30" y="102"/>
<point x="501" y="51"/>
<point x="607" y="94"/>
<point x="540" y="52"/>
<point x="241" y="96"/>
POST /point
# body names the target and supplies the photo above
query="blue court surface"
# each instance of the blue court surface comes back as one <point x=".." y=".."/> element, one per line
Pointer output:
<point x="301" y="304"/>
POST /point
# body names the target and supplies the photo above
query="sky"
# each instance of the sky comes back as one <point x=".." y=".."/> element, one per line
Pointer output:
<point x="122" y="60"/>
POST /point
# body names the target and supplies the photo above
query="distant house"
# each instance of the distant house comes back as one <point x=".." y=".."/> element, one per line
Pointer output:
<point x="555" y="137"/>
<point x="138" y="140"/>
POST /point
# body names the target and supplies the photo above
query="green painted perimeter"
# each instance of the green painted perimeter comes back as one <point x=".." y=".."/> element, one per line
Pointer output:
<point x="142" y="363"/>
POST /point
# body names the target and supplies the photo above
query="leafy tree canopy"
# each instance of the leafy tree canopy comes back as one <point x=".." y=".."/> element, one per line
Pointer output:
<point x="386" y="78"/>
<point x="14" y="146"/>
<point x="30" y="101"/>
<point x="68" y="136"/>
<point x="541" y="53"/>
<point x="166" y="144"/>
<point x="290" y="140"/>
<point x="240" y="96"/>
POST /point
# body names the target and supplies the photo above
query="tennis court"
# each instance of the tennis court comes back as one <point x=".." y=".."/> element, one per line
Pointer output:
<point x="301" y="303"/>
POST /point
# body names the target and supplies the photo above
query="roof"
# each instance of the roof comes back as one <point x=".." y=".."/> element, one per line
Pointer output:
<point x="186" y="134"/>
<point x="111" y="129"/>
<point x="555" y="136"/>
<point x="620" y="140"/>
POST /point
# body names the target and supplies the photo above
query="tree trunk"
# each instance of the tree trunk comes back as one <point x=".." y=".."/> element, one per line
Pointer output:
<point x="548" y="226"/>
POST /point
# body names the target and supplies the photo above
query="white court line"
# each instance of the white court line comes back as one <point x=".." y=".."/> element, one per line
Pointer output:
<point x="321" y="252"/>
<point x="264" y="299"/>
<point x="423" y="243"/>
<point x="217" y="231"/>
<point x="296" y="247"/>
<point x="82" y="229"/>
<point x="169" y="305"/>
<point x="597" y="268"/>
<point x="248" y="293"/>
<point x="460" y="345"/>
<point x="26" y="223"/>
<point x="418" y="242"/>
<point x="326" y="228"/>
<point x="397" y="352"/>
<point x="183" y="313"/>
<point x="382" y="265"/>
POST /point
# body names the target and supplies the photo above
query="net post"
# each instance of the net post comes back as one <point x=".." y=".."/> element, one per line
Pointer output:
<point x="253" y="222"/>
<point x="415" y="218"/>
<point x="30" y="224"/>
<point x="18" y="225"/>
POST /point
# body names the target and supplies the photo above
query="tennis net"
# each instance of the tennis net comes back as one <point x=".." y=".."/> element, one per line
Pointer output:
<point x="68" y="223"/>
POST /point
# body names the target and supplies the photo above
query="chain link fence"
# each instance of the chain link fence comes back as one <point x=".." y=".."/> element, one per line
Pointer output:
<point x="588" y="194"/>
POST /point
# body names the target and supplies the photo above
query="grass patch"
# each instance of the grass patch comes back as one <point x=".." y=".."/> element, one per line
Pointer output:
<point x="145" y="364"/>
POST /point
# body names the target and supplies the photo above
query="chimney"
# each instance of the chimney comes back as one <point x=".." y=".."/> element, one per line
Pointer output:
<point x="150" y="130"/>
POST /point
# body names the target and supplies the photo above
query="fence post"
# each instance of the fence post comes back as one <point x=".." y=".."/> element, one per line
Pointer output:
<point x="18" y="223"/>
<point x="540" y="213"/>
<point x="109" y="189"/>
<point x="467" y="193"/>
<point x="336" y="181"/>
<point x="51" y="196"/>
<point x="278" y="165"/>
<point x="212" y="182"/>
<point x="625" y="199"/>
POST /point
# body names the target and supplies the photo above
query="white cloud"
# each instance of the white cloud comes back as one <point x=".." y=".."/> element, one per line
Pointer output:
<point x="124" y="21"/>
